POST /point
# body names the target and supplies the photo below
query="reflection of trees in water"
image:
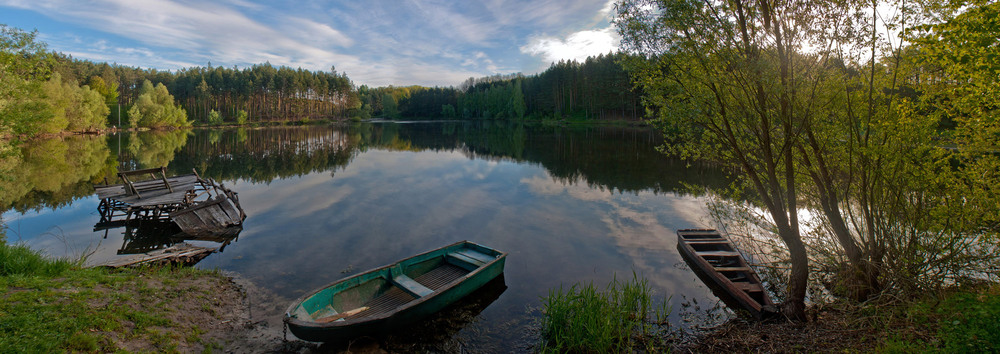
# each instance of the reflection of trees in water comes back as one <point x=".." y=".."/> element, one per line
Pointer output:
<point x="151" y="149"/>
<point x="262" y="155"/>
<point x="621" y="159"/>
<point x="53" y="172"/>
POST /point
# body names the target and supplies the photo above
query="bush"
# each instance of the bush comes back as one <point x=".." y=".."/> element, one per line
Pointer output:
<point x="214" y="118"/>
<point x="242" y="117"/>
<point x="155" y="107"/>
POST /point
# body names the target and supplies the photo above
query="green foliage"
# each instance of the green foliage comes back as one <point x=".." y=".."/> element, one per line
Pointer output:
<point x="448" y="111"/>
<point x="24" y="66"/>
<point x="517" y="101"/>
<point x="72" y="108"/>
<point x="155" y="108"/>
<point x="596" y="89"/>
<point x="214" y="118"/>
<point x="241" y="117"/>
<point x="108" y="91"/>
<point x="962" y="65"/>
<point x="956" y="321"/>
<point x="969" y="323"/>
<point x="833" y="130"/>
<point x="389" y="106"/>
<point x="585" y="320"/>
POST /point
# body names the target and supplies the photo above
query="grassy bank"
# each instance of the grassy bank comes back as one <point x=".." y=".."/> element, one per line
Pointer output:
<point x="622" y="317"/>
<point x="962" y="320"/>
<point x="56" y="306"/>
<point x="959" y="320"/>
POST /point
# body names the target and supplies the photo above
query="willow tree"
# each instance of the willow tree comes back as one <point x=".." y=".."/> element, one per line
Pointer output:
<point x="155" y="107"/>
<point x="726" y="78"/>
<point x="809" y="100"/>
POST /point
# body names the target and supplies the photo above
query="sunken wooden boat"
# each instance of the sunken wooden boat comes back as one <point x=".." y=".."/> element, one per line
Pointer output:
<point x="390" y="297"/>
<point x="722" y="268"/>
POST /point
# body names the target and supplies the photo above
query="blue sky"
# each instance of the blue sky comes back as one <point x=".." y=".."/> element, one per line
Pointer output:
<point x="376" y="42"/>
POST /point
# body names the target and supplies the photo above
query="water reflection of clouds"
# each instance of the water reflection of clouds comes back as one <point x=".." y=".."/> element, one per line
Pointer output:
<point x="548" y="186"/>
<point x="383" y="206"/>
<point x="642" y="226"/>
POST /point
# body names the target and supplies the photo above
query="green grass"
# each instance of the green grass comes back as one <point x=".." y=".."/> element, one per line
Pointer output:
<point x="963" y="320"/>
<point x="21" y="260"/>
<point x="55" y="306"/>
<point x="966" y="320"/>
<point x="585" y="320"/>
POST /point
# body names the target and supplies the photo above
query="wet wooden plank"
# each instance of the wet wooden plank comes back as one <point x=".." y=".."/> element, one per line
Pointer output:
<point x="230" y="210"/>
<point x="179" y="253"/>
<point x="117" y="191"/>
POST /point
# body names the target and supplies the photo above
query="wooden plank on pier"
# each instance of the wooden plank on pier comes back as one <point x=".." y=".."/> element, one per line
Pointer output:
<point x="181" y="253"/>
<point x="179" y="184"/>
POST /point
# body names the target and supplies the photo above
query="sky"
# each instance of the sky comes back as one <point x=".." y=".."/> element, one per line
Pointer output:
<point x="375" y="42"/>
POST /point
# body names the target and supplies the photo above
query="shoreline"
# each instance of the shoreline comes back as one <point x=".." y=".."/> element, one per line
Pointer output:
<point x="112" y="130"/>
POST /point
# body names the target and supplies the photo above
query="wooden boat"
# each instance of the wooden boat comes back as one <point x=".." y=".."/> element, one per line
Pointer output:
<point x="395" y="295"/>
<point x="720" y="265"/>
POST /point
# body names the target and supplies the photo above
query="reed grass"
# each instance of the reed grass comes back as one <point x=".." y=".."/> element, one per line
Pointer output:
<point x="21" y="260"/>
<point x="582" y="319"/>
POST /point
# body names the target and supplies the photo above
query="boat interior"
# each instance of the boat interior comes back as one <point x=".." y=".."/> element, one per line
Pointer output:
<point x="725" y="260"/>
<point x="737" y="272"/>
<point x="388" y="288"/>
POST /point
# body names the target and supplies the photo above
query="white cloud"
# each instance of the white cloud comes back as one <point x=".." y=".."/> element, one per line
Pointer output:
<point x="608" y="9"/>
<point x="317" y="33"/>
<point x="208" y="32"/>
<point x="379" y="42"/>
<point x="576" y="46"/>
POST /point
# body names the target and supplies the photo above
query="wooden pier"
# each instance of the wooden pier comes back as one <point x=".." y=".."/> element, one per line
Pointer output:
<point x="197" y="205"/>
<point x="200" y="208"/>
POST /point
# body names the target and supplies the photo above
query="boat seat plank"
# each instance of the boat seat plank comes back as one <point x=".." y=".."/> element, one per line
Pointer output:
<point x="697" y="234"/>
<point x="708" y="241"/>
<point x="470" y="257"/>
<point x="732" y="269"/>
<point x="750" y="288"/>
<point x="718" y="253"/>
<point x="411" y="286"/>
<point x="477" y="255"/>
<point x="463" y="259"/>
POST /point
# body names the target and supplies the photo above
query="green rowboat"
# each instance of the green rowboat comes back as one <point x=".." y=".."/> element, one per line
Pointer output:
<point x="393" y="296"/>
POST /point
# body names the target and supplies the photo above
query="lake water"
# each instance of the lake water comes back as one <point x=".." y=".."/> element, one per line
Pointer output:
<point x="568" y="204"/>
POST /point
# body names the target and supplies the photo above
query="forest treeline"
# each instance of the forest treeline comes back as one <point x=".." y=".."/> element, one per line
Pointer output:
<point x="50" y="92"/>
<point x="597" y="88"/>
<point x="260" y="92"/>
